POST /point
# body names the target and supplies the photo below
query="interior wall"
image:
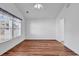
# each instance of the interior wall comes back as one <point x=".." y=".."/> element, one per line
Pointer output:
<point x="60" y="25"/>
<point x="10" y="44"/>
<point x="60" y="29"/>
<point x="39" y="24"/>
<point x="41" y="28"/>
<point x="72" y="28"/>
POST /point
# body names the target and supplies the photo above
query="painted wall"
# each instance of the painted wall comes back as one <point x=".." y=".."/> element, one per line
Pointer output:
<point x="41" y="28"/>
<point x="60" y="25"/>
<point x="60" y="29"/>
<point x="72" y="27"/>
<point x="10" y="44"/>
<point x="40" y="24"/>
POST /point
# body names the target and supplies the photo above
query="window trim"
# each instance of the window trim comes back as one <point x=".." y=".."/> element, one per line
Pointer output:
<point x="9" y="13"/>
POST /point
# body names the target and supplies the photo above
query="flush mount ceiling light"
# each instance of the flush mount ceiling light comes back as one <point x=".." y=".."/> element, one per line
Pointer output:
<point x="38" y="6"/>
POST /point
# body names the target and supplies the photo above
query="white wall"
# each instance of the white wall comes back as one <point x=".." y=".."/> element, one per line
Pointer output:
<point x="60" y="25"/>
<point x="41" y="29"/>
<point x="10" y="44"/>
<point x="72" y="27"/>
<point x="60" y="29"/>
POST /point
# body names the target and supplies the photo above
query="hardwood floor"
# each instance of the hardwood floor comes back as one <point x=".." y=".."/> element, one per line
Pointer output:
<point x="40" y="48"/>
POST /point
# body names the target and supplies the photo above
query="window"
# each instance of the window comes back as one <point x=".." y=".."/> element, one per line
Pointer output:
<point x="16" y="27"/>
<point x="10" y="26"/>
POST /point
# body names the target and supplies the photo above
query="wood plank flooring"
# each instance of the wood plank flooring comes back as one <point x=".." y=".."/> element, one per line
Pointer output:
<point x="40" y="48"/>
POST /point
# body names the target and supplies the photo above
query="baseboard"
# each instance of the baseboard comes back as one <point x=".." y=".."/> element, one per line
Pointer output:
<point x="61" y="41"/>
<point x="39" y="39"/>
<point x="11" y="47"/>
<point x="77" y="52"/>
<point x="68" y="47"/>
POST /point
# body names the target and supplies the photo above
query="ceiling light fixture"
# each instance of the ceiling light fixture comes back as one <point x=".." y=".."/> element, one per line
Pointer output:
<point x="38" y="6"/>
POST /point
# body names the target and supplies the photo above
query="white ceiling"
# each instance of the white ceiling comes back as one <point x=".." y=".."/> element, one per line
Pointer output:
<point x="49" y="10"/>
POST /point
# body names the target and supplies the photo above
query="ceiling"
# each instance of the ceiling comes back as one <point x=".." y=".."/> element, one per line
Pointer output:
<point x="49" y="10"/>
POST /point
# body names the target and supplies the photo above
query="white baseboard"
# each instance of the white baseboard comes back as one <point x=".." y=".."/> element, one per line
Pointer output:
<point x="74" y="50"/>
<point x="40" y="39"/>
<point x="10" y="47"/>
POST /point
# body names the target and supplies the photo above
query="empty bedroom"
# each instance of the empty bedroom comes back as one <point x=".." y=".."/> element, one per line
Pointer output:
<point x="39" y="29"/>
